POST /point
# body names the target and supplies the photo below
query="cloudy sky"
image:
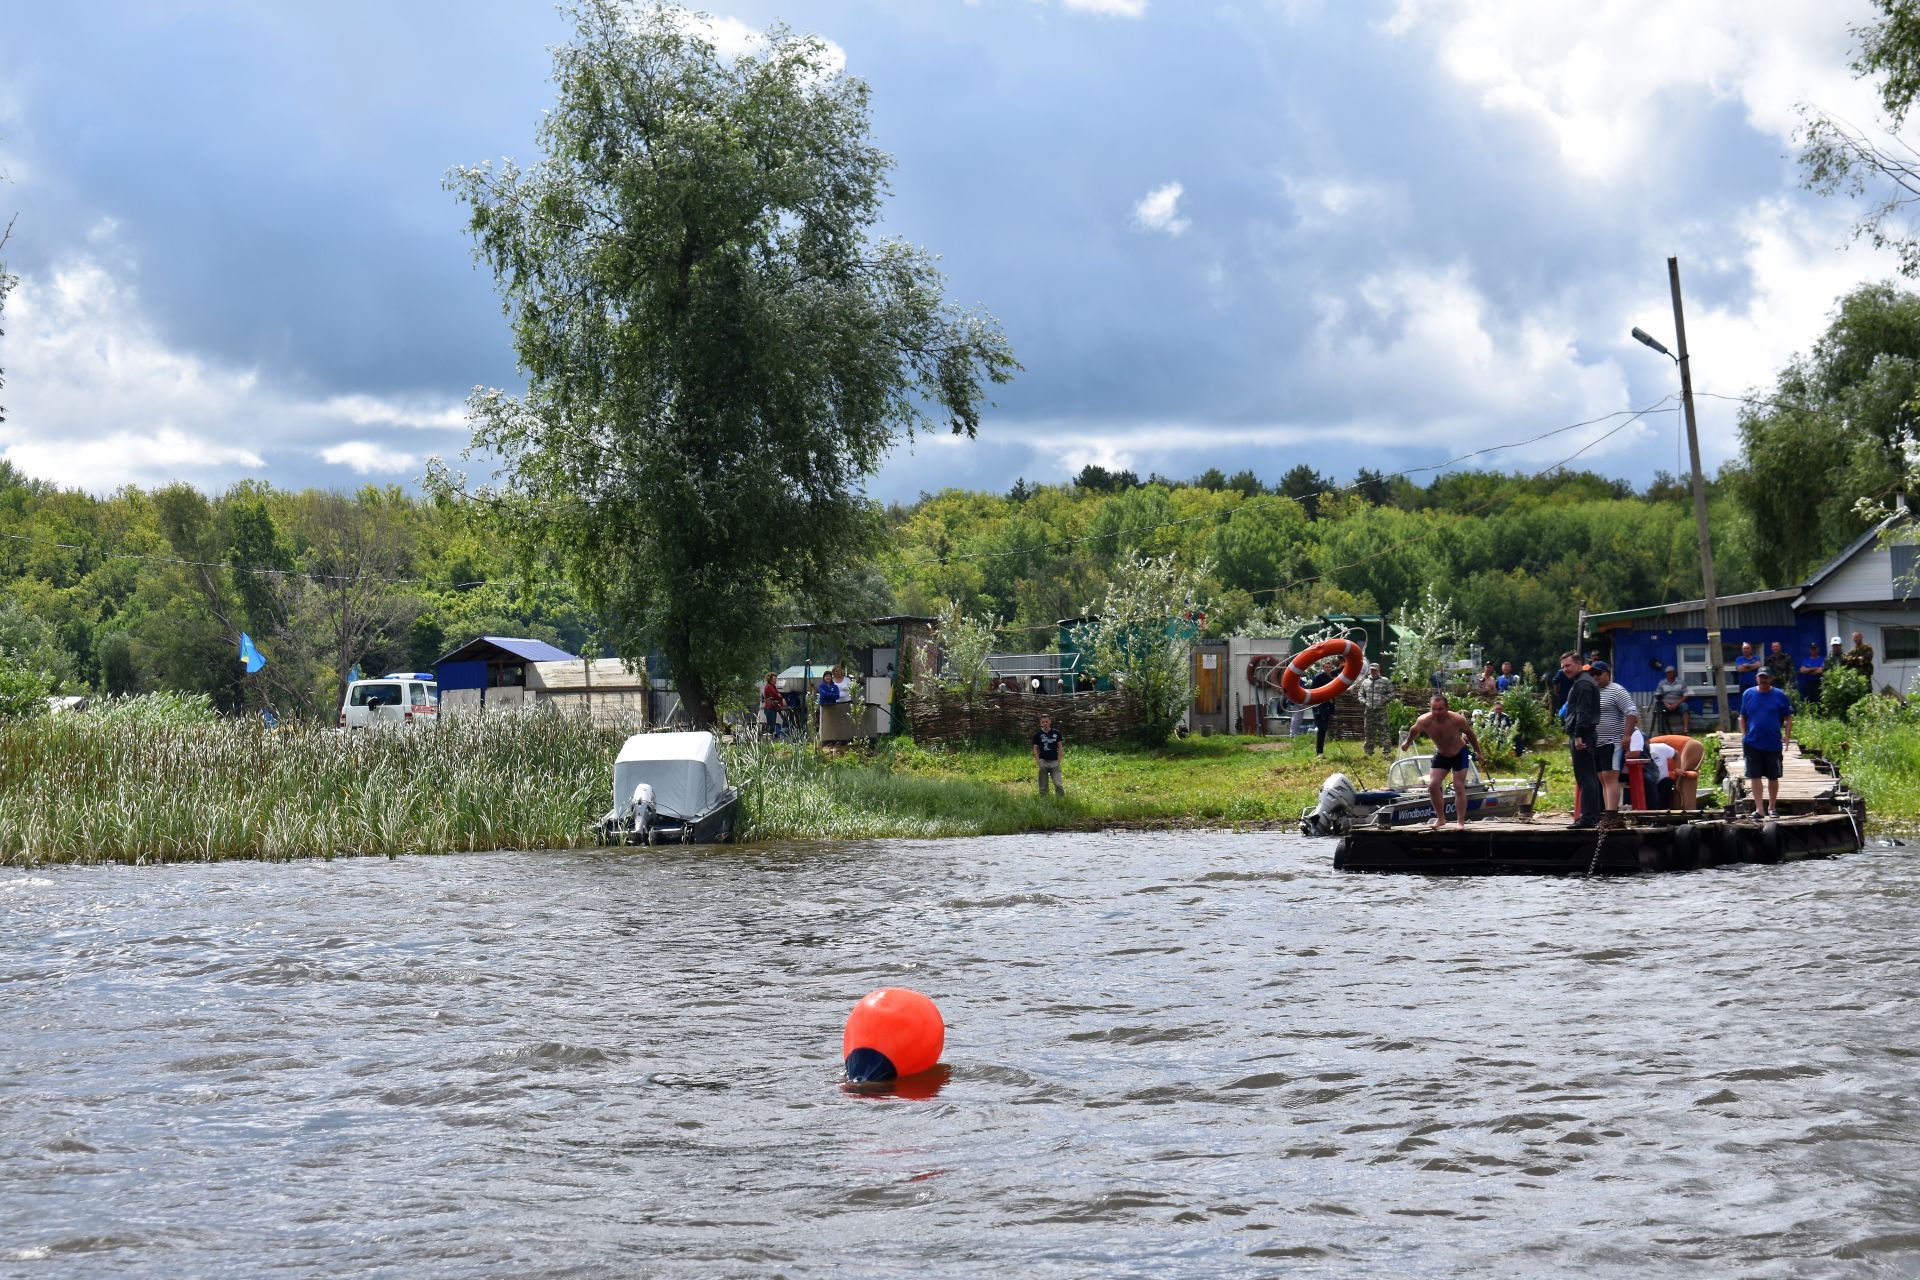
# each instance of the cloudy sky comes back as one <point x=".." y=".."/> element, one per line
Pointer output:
<point x="1352" y="232"/>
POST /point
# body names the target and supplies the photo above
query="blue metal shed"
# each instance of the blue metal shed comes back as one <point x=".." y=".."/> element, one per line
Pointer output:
<point x="1645" y="642"/>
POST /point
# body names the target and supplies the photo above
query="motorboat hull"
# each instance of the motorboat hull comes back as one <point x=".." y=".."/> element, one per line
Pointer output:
<point x="1404" y="802"/>
<point x="715" y="826"/>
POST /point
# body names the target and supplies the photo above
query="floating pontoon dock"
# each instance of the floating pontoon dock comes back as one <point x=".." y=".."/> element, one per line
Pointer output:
<point x="1819" y="817"/>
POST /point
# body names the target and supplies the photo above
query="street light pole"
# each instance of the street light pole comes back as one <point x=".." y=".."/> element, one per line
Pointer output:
<point x="1714" y="657"/>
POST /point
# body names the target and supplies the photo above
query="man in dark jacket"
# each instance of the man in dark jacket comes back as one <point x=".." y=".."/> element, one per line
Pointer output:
<point x="1583" y="723"/>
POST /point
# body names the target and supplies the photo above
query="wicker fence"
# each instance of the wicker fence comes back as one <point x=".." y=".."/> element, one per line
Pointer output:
<point x="1087" y="719"/>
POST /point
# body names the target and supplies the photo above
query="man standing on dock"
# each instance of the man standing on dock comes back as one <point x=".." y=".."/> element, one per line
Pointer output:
<point x="1375" y="692"/>
<point x="1452" y="735"/>
<point x="1583" y="721"/>
<point x="1619" y="717"/>
<point x="1766" y="727"/>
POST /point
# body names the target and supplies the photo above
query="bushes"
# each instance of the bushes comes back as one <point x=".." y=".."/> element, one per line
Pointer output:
<point x="1840" y="689"/>
<point x="23" y="689"/>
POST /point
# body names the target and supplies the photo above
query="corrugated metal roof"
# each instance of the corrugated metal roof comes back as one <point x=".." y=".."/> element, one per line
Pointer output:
<point x="490" y="647"/>
<point x="1668" y="613"/>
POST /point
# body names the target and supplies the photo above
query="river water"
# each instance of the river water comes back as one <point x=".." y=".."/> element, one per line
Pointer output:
<point x="1192" y="1054"/>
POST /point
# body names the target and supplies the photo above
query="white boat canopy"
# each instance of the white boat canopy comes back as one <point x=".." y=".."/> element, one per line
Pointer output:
<point x="683" y="769"/>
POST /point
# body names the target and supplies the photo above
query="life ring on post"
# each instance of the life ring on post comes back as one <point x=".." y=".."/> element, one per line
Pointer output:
<point x="1292" y="680"/>
<point x="1260" y="670"/>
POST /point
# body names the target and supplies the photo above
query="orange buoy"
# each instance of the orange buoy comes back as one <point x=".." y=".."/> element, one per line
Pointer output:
<point x="1291" y="680"/>
<point x="892" y="1033"/>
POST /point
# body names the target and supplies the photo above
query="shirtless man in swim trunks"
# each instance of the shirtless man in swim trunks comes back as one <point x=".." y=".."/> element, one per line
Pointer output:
<point x="1452" y="735"/>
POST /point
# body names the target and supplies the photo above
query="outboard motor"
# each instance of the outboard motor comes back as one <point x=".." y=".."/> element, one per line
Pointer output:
<point x="1334" y="814"/>
<point x="643" y="812"/>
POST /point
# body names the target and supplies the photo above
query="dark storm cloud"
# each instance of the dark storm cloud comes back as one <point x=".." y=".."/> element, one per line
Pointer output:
<point x="1372" y="266"/>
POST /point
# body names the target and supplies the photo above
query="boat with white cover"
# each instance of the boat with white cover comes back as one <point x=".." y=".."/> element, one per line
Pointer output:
<point x="670" y="788"/>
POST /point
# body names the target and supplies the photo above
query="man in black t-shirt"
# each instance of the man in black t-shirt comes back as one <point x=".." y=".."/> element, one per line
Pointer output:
<point x="1049" y="749"/>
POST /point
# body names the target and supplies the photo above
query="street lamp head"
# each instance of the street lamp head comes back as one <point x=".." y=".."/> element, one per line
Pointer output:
<point x="1643" y="336"/>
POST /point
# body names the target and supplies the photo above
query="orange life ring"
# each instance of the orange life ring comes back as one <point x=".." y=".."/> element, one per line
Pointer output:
<point x="1292" y="679"/>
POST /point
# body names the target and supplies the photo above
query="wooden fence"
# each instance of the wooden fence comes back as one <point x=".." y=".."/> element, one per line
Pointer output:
<point x="1087" y="719"/>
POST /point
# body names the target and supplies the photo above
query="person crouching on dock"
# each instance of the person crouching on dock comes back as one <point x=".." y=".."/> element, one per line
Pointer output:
<point x="1454" y="747"/>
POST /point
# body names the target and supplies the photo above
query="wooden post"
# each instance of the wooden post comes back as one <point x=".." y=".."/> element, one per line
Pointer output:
<point x="1699" y="500"/>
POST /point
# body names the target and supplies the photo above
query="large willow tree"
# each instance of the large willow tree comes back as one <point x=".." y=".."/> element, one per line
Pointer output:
<point x="718" y="348"/>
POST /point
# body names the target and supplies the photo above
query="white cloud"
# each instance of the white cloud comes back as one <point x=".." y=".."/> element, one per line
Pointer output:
<point x="1425" y="344"/>
<point x="1792" y="260"/>
<point x="1110" y="8"/>
<point x="371" y="411"/>
<point x="97" y="397"/>
<point x="1605" y="79"/>
<point x="106" y="462"/>
<point x="1159" y="210"/>
<point x="368" y="459"/>
<point x="733" y="38"/>
<point x="1321" y="202"/>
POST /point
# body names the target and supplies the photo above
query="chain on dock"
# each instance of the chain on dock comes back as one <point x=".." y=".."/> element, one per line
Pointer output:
<point x="1599" y="843"/>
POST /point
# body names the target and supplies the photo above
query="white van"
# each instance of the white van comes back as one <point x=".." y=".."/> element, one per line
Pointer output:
<point x="403" y="698"/>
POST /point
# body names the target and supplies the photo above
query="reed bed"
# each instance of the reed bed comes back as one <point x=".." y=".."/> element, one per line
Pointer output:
<point x="1877" y="748"/>
<point x="138" y="788"/>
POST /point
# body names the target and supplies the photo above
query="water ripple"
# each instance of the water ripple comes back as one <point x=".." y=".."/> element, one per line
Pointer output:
<point x="1194" y="1054"/>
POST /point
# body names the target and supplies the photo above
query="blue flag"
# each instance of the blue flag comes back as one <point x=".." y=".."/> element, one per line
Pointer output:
<point x="250" y="658"/>
<point x="355" y="673"/>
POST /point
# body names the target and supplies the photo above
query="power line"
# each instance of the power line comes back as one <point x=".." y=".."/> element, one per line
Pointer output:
<point x="1631" y="415"/>
<point x="334" y="578"/>
<point x="105" y="557"/>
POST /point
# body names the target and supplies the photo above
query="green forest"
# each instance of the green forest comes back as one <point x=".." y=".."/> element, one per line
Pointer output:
<point x="145" y="590"/>
<point x="149" y="590"/>
<point x="686" y="470"/>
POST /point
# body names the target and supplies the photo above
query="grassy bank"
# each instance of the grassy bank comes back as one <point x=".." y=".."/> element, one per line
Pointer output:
<point x="1877" y="748"/>
<point x="903" y="790"/>
<point x="128" y="788"/>
<point x="131" y="787"/>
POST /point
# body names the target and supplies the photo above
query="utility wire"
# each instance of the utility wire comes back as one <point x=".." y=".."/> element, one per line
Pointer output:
<point x="1217" y="516"/>
<point x="1262" y="500"/>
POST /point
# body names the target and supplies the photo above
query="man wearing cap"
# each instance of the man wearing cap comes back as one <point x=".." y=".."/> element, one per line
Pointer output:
<point x="1670" y="703"/>
<point x="1375" y="692"/>
<point x="1583" y="716"/>
<point x="1766" y="727"/>
<point x="1619" y="717"/>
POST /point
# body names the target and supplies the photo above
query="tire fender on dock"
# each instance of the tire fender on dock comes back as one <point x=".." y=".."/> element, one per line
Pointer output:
<point x="1732" y="847"/>
<point x="1685" y="852"/>
<point x="1770" y="845"/>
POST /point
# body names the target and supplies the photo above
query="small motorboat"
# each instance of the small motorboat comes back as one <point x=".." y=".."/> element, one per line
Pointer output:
<point x="1405" y="799"/>
<point x="670" y="788"/>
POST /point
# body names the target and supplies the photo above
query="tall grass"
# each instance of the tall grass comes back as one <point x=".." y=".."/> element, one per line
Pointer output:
<point x="1877" y="748"/>
<point x="160" y="784"/>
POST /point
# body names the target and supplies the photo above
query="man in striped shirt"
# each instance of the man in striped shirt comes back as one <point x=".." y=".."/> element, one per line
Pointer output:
<point x="1619" y="717"/>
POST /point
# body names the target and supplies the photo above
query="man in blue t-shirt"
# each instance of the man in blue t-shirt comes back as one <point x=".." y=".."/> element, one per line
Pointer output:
<point x="1766" y="727"/>
<point x="1812" y="668"/>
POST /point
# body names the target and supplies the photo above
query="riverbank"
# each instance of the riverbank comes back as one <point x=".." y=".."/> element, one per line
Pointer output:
<point x="900" y="789"/>
<point x="132" y="788"/>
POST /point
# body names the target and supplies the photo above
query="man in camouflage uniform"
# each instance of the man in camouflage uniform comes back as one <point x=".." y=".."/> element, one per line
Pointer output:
<point x="1375" y="692"/>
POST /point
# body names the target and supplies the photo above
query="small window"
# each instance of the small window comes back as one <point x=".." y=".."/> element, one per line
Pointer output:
<point x="365" y="694"/>
<point x="1694" y="672"/>
<point x="1900" y="644"/>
